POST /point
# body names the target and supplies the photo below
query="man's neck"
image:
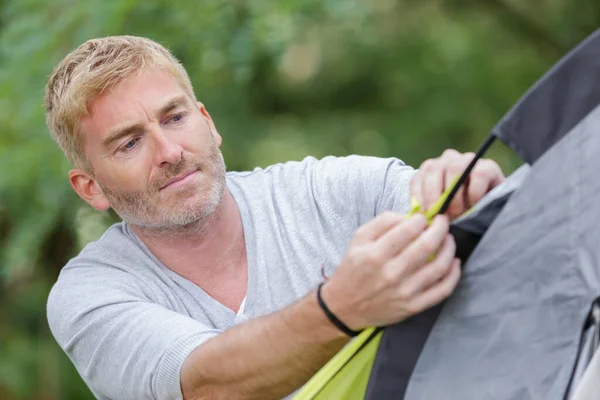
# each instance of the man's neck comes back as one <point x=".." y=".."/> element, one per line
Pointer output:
<point x="212" y="256"/>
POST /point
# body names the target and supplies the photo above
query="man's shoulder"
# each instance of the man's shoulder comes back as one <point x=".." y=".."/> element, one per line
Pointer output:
<point x="116" y="243"/>
<point x="309" y="161"/>
<point x="100" y="273"/>
<point x="115" y="256"/>
<point x="325" y="167"/>
<point x="338" y="187"/>
<point x="341" y="177"/>
<point x="261" y="172"/>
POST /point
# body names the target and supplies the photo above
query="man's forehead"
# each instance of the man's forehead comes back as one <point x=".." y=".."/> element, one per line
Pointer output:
<point x="135" y="100"/>
<point x="150" y="90"/>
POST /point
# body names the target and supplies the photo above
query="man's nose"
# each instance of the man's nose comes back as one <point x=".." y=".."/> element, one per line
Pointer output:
<point x="167" y="149"/>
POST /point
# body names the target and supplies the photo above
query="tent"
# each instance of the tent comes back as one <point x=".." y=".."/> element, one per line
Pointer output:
<point x="524" y="322"/>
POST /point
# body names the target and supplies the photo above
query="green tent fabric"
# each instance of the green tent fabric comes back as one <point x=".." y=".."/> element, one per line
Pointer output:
<point x="346" y="376"/>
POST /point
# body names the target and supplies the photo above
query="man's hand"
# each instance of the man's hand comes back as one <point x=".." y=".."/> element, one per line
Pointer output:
<point x="393" y="268"/>
<point x="435" y="175"/>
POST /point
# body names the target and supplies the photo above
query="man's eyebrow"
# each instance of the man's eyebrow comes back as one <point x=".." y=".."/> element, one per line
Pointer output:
<point x="121" y="133"/>
<point x="173" y="104"/>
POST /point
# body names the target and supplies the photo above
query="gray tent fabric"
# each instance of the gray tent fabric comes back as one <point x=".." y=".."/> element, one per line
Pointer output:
<point x="469" y="229"/>
<point x="512" y="329"/>
<point x="555" y="104"/>
<point x="481" y="216"/>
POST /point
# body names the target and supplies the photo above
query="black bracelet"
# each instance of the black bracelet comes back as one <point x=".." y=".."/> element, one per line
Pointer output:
<point x="331" y="316"/>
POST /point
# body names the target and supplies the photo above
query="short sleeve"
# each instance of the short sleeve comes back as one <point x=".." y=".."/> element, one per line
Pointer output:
<point x="123" y="345"/>
<point x="362" y="187"/>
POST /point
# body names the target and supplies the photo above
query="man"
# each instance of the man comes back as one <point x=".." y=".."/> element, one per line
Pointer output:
<point x="208" y="287"/>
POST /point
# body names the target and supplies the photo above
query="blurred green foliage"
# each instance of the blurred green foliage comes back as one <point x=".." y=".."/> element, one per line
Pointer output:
<point x="282" y="79"/>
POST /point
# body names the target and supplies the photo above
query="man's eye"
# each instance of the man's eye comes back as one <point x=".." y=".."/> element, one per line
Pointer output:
<point x="129" y="145"/>
<point x="177" y="118"/>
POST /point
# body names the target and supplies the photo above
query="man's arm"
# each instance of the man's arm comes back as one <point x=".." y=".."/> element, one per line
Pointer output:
<point x="266" y="358"/>
<point x="386" y="276"/>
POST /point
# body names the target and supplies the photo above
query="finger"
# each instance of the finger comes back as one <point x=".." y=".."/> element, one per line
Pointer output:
<point x="400" y="236"/>
<point x="485" y="176"/>
<point x="376" y="227"/>
<point x="432" y="184"/>
<point x="476" y="189"/>
<point x="419" y="251"/>
<point x="439" y="291"/>
<point x="495" y="172"/>
<point x="455" y="168"/>
<point x="415" y="187"/>
<point x="457" y="205"/>
<point x="425" y="277"/>
<point x="451" y="153"/>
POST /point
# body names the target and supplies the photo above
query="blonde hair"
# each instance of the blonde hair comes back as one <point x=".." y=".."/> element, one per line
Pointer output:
<point x="94" y="67"/>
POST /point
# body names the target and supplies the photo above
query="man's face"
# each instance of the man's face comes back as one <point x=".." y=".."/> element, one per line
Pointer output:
<point x="154" y="153"/>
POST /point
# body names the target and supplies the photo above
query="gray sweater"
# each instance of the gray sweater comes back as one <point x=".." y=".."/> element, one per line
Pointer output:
<point x="127" y="322"/>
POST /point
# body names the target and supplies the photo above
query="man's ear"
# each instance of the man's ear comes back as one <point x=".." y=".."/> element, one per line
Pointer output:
<point x="211" y="124"/>
<point x="88" y="189"/>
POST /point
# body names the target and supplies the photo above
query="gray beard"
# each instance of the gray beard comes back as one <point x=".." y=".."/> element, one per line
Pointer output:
<point x="141" y="210"/>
